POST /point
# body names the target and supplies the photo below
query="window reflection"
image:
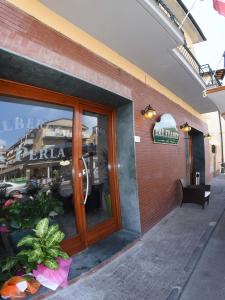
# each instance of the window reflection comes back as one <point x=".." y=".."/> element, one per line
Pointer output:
<point x="95" y="153"/>
<point x="35" y="169"/>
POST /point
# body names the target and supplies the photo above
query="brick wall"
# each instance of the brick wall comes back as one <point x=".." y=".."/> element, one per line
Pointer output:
<point x="158" y="166"/>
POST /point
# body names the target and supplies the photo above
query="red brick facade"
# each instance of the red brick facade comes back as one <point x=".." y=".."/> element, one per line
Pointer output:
<point x="158" y="166"/>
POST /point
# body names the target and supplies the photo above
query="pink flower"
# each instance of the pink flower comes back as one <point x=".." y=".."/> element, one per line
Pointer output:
<point x="4" y="229"/>
<point x="8" y="203"/>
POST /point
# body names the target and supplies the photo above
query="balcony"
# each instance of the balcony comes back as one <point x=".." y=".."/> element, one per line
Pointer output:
<point x="211" y="77"/>
<point x="204" y="71"/>
<point x="28" y="142"/>
<point x="59" y="133"/>
<point x="168" y="12"/>
<point x="151" y="42"/>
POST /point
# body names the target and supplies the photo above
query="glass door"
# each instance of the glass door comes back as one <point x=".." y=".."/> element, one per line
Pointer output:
<point x="97" y="173"/>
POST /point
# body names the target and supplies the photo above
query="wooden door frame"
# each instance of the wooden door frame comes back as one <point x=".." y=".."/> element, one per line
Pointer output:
<point x="28" y="92"/>
<point x="109" y="226"/>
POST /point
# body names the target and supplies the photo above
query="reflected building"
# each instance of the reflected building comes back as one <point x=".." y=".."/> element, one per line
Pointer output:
<point x="2" y="158"/>
<point x="39" y="152"/>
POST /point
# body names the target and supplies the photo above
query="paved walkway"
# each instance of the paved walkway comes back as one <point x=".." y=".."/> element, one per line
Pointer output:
<point x="159" y="265"/>
<point x="208" y="279"/>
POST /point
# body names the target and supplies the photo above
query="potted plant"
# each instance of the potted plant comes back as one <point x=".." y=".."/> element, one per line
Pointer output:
<point x="41" y="251"/>
<point x="44" y="245"/>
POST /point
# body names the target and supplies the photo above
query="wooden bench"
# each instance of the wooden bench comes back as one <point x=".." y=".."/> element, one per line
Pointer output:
<point x="198" y="194"/>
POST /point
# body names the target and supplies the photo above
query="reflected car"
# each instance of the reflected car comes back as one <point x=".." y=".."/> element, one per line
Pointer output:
<point x="66" y="188"/>
<point x="13" y="188"/>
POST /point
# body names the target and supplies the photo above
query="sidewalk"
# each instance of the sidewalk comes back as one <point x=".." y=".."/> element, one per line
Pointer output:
<point x="159" y="265"/>
<point x="208" y="280"/>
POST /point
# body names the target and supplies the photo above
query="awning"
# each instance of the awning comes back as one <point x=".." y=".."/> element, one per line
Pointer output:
<point x="220" y="74"/>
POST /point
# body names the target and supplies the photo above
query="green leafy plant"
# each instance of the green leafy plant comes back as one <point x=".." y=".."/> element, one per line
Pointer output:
<point x="42" y="247"/>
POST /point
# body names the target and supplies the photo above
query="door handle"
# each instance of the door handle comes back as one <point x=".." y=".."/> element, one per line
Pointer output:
<point x="87" y="176"/>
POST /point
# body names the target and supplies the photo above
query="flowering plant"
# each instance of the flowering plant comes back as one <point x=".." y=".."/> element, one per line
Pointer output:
<point x="24" y="212"/>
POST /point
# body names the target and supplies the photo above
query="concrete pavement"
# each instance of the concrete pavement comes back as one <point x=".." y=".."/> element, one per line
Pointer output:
<point x="163" y="262"/>
<point x="208" y="279"/>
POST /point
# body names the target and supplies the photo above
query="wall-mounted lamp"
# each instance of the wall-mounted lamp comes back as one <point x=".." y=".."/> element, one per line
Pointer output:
<point x="207" y="136"/>
<point x="64" y="163"/>
<point x="148" y="112"/>
<point x="185" y="127"/>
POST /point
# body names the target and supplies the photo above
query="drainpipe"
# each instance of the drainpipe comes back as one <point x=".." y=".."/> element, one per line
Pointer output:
<point x="221" y="140"/>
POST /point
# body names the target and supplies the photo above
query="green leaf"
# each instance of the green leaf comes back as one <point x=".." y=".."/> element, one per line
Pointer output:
<point x="28" y="240"/>
<point x="30" y="267"/>
<point x="36" y="245"/>
<point x="39" y="261"/>
<point x="9" y="264"/>
<point x="55" y="239"/>
<point x="53" y="252"/>
<point x="24" y="253"/>
<point x="50" y="263"/>
<point x="52" y="229"/>
<point x="42" y="228"/>
<point x="35" y="255"/>
<point x="63" y="254"/>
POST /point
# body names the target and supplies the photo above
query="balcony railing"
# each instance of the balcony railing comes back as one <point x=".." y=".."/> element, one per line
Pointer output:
<point x="168" y="12"/>
<point x="204" y="71"/>
<point x="209" y="75"/>
<point x="188" y="55"/>
<point x="57" y="133"/>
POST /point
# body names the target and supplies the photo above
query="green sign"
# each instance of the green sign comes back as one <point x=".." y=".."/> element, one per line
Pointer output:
<point x="165" y="131"/>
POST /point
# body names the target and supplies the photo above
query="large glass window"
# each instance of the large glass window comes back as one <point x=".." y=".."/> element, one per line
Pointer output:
<point x="35" y="169"/>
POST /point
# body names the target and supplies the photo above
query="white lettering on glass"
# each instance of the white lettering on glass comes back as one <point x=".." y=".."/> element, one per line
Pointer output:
<point x="42" y="154"/>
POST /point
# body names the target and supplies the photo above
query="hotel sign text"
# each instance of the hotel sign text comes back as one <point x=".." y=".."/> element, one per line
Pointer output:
<point x="165" y="131"/>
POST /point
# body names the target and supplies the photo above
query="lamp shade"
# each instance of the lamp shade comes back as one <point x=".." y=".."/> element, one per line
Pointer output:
<point x="148" y="112"/>
<point x="207" y="136"/>
<point x="185" y="127"/>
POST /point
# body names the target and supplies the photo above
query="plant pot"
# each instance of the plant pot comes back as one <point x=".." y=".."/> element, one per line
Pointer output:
<point x="53" y="279"/>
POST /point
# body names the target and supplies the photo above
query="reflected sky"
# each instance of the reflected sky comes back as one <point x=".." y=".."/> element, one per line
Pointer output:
<point x="16" y="119"/>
